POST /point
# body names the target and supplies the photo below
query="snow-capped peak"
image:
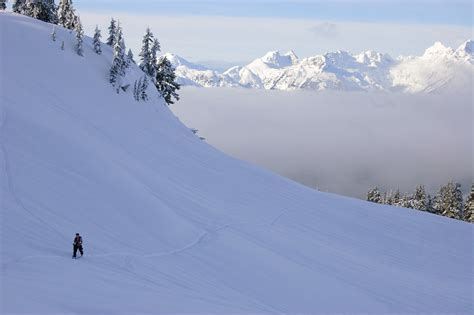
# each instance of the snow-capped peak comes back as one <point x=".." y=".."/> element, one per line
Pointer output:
<point x="339" y="70"/>
<point x="373" y="58"/>
<point x="466" y="49"/>
<point x="438" y="50"/>
<point x="275" y="59"/>
<point x="177" y="61"/>
<point x="293" y="57"/>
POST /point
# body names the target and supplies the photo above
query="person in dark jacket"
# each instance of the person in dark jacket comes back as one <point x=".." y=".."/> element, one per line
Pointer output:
<point x="77" y="245"/>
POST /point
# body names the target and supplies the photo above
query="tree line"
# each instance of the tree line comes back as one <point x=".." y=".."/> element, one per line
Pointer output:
<point x="157" y="70"/>
<point x="448" y="201"/>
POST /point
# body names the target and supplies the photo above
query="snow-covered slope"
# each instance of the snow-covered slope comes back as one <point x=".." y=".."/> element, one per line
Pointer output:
<point x="172" y="225"/>
<point x="439" y="67"/>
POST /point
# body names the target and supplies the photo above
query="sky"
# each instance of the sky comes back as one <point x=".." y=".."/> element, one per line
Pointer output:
<point x="225" y="33"/>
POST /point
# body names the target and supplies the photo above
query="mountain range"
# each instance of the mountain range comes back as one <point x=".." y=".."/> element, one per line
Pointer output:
<point x="438" y="68"/>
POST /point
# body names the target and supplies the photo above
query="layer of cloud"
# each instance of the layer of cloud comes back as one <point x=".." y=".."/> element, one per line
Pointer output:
<point x="340" y="142"/>
<point x="325" y="30"/>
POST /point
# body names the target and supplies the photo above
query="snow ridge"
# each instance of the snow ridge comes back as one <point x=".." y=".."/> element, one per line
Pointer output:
<point x="439" y="67"/>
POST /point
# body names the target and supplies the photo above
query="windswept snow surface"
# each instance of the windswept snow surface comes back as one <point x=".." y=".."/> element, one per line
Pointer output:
<point x="171" y="225"/>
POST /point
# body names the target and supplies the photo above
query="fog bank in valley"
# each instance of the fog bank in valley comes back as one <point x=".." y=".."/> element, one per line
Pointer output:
<point x="341" y="142"/>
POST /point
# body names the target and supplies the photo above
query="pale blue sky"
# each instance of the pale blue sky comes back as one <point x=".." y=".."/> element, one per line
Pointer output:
<point x="229" y="32"/>
<point x="451" y="12"/>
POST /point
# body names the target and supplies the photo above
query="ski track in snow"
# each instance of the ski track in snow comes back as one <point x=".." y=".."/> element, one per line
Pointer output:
<point x="199" y="240"/>
<point x="9" y="178"/>
<point x="90" y="126"/>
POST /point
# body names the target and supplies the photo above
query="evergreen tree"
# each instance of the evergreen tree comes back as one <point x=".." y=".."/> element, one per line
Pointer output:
<point x="448" y="201"/>
<point x="136" y="89"/>
<point x="96" y="41"/>
<point x="130" y="59"/>
<point x="406" y="201"/>
<point x="3" y="4"/>
<point x="429" y="204"/>
<point x="374" y="195"/>
<point x="148" y="54"/>
<point x="195" y="132"/>
<point x="396" y="198"/>
<point x="468" y="213"/>
<point x="27" y="8"/>
<point x="19" y="6"/>
<point x="388" y="198"/>
<point x="165" y="81"/>
<point x="155" y="48"/>
<point x="119" y="62"/>
<point x="140" y="89"/>
<point x="143" y="89"/>
<point x="112" y="33"/>
<point x="419" y="198"/>
<point x="79" y="37"/>
<point x="52" y="12"/>
<point x="44" y="10"/>
<point x="53" y="34"/>
<point x="121" y="40"/>
<point x="66" y="14"/>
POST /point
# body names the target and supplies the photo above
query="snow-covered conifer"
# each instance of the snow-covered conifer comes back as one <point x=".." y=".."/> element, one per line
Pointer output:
<point x="374" y="195"/>
<point x="96" y="41"/>
<point x="66" y="14"/>
<point x="396" y="198"/>
<point x="112" y="32"/>
<point x="136" y="89"/>
<point x="121" y="41"/>
<point x="148" y="54"/>
<point x="388" y="198"/>
<point x="52" y="12"/>
<point x="448" y="201"/>
<point x="53" y="34"/>
<point x="140" y="89"/>
<point x="195" y="132"/>
<point x="155" y="48"/>
<point x="468" y="213"/>
<point x="44" y="10"/>
<point x="3" y="4"/>
<point x="63" y="9"/>
<point x="166" y="80"/>
<point x="28" y="9"/>
<point x="79" y="37"/>
<point x="19" y="6"/>
<point x="419" y="201"/>
<point x="429" y="204"/>
<point x="130" y="57"/>
<point x="406" y="201"/>
<point x="119" y="62"/>
<point x="143" y="89"/>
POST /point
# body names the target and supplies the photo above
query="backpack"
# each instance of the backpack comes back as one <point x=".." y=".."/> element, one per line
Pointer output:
<point x="78" y="240"/>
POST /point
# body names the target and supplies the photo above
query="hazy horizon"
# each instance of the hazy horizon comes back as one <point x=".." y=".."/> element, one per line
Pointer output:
<point x="340" y="142"/>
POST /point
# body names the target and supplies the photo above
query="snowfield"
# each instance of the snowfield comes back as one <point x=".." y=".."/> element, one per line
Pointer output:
<point x="171" y="225"/>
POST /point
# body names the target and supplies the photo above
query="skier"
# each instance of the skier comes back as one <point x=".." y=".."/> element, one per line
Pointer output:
<point x="77" y="245"/>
